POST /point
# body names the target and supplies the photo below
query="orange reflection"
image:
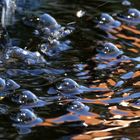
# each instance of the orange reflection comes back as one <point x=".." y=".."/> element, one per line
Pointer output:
<point x="128" y="37"/>
<point x="137" y="44"/>
<point x="134" y="30"/>
<point x="136" y="74"/>
<point x="105" y="133"/>
<point x="133" y="50"/>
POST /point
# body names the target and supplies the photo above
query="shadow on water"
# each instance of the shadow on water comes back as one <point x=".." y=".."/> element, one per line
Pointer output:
<point x="74" y="76"/>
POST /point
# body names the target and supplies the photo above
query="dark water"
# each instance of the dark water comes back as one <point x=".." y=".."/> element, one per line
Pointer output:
<point x="91" y="90"/>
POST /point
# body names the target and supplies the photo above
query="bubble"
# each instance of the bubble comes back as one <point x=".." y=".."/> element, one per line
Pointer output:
<point x="107" y="22"/>
<point x="67" y="85"/>
<point x="108" y="50"/>
<point x="24" y="116"/>
<point x="12" y="85"/>
<point x="131" y="17"/>
<point x="7" y="85"/>
<point x="78" y="107"/>
<point x="27" y="99"/>
<point x="133" y="14"/>
<point x="48" y="21"/>
<point x="24" y="119"/>
<point x="69" y="88"/>
<point x="24" y="97"/>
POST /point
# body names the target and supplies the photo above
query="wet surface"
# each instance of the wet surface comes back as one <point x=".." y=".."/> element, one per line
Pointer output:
<point x="71" y="70"/>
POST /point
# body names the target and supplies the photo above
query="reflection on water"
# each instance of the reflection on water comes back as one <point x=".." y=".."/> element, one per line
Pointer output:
<point x="70" y="70"/>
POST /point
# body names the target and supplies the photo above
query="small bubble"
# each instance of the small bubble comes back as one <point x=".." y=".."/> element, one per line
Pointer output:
<point x="108" y="50"/>
<point x="78" y="107"/>
<point x="67" y="85"/>
<point x="132" y="16"/>
<point x="24" y="116"/>
<point x="107" y="22"/>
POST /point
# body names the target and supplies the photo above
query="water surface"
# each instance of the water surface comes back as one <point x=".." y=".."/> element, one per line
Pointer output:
<point x="90" y="90"/>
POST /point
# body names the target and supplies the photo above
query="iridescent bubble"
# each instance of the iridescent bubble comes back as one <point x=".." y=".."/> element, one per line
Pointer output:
<point x="107" y="22"/>
<point x="131" y="17"/>
<point x="108" y="50"/>
<point x="27" y="99"/>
